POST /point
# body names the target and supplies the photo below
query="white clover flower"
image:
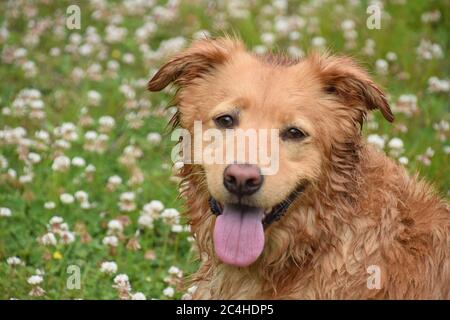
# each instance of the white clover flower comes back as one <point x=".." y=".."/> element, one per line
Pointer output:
<point x="75" y="38"/>
<point x="376" y="140"/>
<point x="318" y="42"/>
<point x="56" y="220"/>
<point x="91" y="135"/>
<point x="49" y="205"/>
<point x="260" y="49"/>
<point x="67" y="237"/>
<point x="126" y="202"/>
<point x="128" y="58"/>
<point x="108" y="267"/>
<point x="35" y="280"/>
<point x="5" y="212"/>
<point x="347" y="25"/>
<point x="395" y="143"/>
<point x="268" y="38"/>
<point x="407" y="103"/>
<point x="282" y="26"/>
<point x="42" y="135"/>
<point x="396" y="147"/>
<point x="295" y="51"/>
<point x="90" y="168"/>
<point x="81" y="196"/>
<point x="85" y="205"/>
<point x="127" y="196"/>
<point x="62" y="144"/>
<point x="154" y="205"/>
<point x="55" y="51"/>
<point x="3" y="161"/>
<point x="176" y="228"/>
<point x="145" y="221"/>
<point x="115" y="225"/>
<point x="34" y="157"/>
<point x="106" y="123"/>
<point x="428" y="50"/>
<point x="114" y="182"/>
<point x="26" y="178"/>
<point x="86" y="49"/>
<point x="113" y="65"/>
<point x="438" y="85"/>
<point x="78" y="162"/>
<point x="61" y="163"/>
<point x="14" y="261"/>
<point x="169" y="292"/>
<point x="174" y="270"/>
<point x="138" y="296"/>
<point x="431" y="16"/>
<point x="48" y="239"/>
<point x="12" y="173"/>
<point x="403" y="160"/>
<point x="111" y="241"/>
<point x="121" y="279"/>
<point x="123" y="286"/>
<point x="40" y="272"/>
<point x="115" y="34"/>
<point x="381" y="66"/>
<point x="154" y="137"/>
<point x="66" y="198"/>
<point x="170" y="216"/>
<point x="94" y="98"/>
<point x="37" y="104"/>
<point x="68" y="131"/>
<point x="391" y="56"/>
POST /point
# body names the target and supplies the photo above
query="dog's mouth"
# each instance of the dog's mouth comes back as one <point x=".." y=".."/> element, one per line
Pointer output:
<point x="239" y="229"/>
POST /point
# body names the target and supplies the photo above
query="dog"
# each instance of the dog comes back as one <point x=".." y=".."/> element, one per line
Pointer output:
<point x="338" y="220"/>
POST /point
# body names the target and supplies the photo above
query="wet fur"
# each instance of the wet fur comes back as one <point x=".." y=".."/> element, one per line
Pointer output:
<point x="362" y="209"/>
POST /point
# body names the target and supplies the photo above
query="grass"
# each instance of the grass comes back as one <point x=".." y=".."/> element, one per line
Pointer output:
<point x="65" y="97"/>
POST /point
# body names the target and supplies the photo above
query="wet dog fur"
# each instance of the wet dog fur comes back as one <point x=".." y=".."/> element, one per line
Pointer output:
<point x="359" y="208"/>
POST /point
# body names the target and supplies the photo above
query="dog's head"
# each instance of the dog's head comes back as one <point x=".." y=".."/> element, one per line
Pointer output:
<point x="314" y="105"/>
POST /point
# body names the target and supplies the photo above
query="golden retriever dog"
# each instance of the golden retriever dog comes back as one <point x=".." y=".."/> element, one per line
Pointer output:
<point x="338" y="219"/>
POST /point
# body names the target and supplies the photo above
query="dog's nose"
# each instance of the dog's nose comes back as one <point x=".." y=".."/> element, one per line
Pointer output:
<point x="242" y="179"/>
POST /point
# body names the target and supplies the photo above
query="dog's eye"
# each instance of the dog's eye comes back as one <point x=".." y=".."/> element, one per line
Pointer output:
<point x="293" y="134"/>
<point x="226" y="121"/>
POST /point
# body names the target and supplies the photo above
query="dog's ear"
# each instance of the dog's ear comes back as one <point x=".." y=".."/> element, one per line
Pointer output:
<point x="342" y="77"/>
<point x="200" y="58"/>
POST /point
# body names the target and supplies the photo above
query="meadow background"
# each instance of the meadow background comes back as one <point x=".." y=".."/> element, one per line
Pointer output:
<point x="85" y="172"/>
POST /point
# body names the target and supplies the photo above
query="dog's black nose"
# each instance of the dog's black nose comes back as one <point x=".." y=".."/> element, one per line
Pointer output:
<point x="242" y="179"/>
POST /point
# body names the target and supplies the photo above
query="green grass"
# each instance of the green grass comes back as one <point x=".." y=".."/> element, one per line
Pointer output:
<point x="64" y="99"/>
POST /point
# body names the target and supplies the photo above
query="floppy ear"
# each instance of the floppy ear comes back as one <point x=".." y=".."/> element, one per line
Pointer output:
<point x="201" y="58"/>
<point x="352" y="85"/>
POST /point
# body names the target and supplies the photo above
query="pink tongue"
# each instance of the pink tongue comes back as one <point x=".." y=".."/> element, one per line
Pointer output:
<point x="239" y="235"/>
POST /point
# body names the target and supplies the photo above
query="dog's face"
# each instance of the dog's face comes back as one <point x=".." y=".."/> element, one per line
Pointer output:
<point x="311" y="105"/>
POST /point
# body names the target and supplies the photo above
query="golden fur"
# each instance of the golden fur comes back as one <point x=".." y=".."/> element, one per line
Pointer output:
<point x="359" y="208"/>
